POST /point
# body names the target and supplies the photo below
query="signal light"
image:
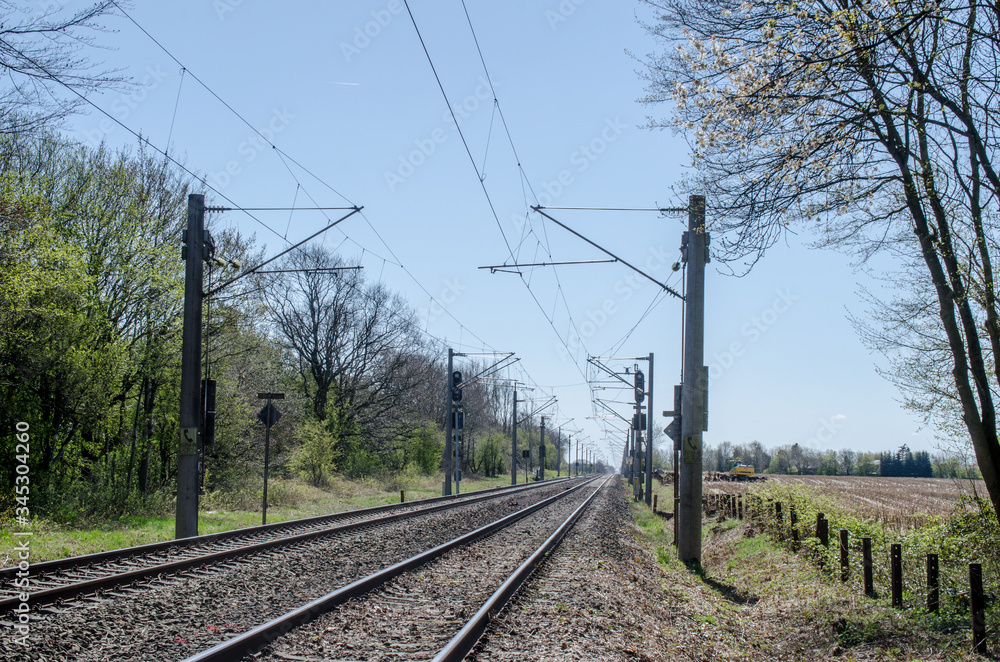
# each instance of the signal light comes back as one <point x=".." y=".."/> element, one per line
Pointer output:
<point x="640" y="387"/>
<point x="208" y="411"/>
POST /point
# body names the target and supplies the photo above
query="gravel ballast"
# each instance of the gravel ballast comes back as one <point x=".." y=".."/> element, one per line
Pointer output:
<point x="183" y="615"/>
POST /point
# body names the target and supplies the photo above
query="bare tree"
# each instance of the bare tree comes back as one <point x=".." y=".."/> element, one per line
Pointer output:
<point x="314" y="315"/>
<point x="42" y="62"/>
<point x="871" y="121"/>
<point x="355" y="346"/>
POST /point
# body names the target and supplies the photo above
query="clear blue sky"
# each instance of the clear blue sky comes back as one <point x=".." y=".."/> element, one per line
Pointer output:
<point x="346" y="90"/>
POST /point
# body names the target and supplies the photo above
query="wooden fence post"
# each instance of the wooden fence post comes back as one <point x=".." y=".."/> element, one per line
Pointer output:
<point x="402" y="496"/>
<point x="823" y="530"/>
<point x="793" y="520"/>
<point x="677" y="507"/>
<point x="896" y="567"/>
<point x="845" y="569"/>
<point x="866" y="566"/>
<point x="978" y="608"/>
<point x="655" y="497"/>
<point x="932" y="582"/>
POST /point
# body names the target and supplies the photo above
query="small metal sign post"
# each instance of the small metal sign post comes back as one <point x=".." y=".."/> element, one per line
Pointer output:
<point x="268" y="415"/>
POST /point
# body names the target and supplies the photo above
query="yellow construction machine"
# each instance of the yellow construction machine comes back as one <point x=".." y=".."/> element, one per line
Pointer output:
<point x="742" y="471"/>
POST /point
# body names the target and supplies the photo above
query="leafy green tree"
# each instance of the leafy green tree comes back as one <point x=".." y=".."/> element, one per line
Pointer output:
<point x="829" y="466"/>
<point x="866" y="465"/>
<point x="779" y="463"/>
<point x="847" y="459"/>
<point x="92" y="289"/>
<point x="315" y="456"/>
<point x="423" y="449"/>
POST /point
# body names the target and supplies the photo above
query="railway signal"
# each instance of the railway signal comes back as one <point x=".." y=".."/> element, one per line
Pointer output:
<point x="208" y="388"/>
<point x="541" y="452"/>
<point x="268" y="415"/>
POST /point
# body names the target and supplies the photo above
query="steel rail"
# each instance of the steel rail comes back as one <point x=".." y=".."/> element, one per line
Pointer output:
<point x="73" y="589"/>
<point x="255" y="640"/>
<point x="179" y="543"/>
<point x="463" y="642"/>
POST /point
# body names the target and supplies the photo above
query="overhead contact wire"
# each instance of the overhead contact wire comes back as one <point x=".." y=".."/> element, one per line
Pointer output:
<point x="461" y="134"/>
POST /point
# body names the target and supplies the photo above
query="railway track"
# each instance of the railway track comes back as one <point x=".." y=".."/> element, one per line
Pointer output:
<point x="434" y="604"/>
<point x="174" y="617"/>
<point x="63" y="579"/>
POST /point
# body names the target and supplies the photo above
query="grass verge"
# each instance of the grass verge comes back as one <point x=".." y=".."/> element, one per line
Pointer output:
<point x="759" y="601"/>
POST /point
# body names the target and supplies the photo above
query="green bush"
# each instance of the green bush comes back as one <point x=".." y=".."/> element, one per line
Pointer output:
<point x="361" y="463"/>
<point x="314" y="458"/>
<point x="492" y="454"/>
<point x="424" y="448"/>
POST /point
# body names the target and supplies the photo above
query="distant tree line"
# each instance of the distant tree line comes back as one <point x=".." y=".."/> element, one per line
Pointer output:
<point x="798" y="460"/>
<point x="905" y="462"/>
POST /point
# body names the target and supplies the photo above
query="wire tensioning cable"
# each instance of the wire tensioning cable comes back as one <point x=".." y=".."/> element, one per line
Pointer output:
<point x="223" y="101"/>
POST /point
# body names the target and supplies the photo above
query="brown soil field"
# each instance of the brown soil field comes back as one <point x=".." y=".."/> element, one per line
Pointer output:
<point x="895" y="502"/>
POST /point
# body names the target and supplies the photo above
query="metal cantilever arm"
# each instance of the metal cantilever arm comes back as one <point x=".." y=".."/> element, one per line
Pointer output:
<point x="634" y="268"/>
